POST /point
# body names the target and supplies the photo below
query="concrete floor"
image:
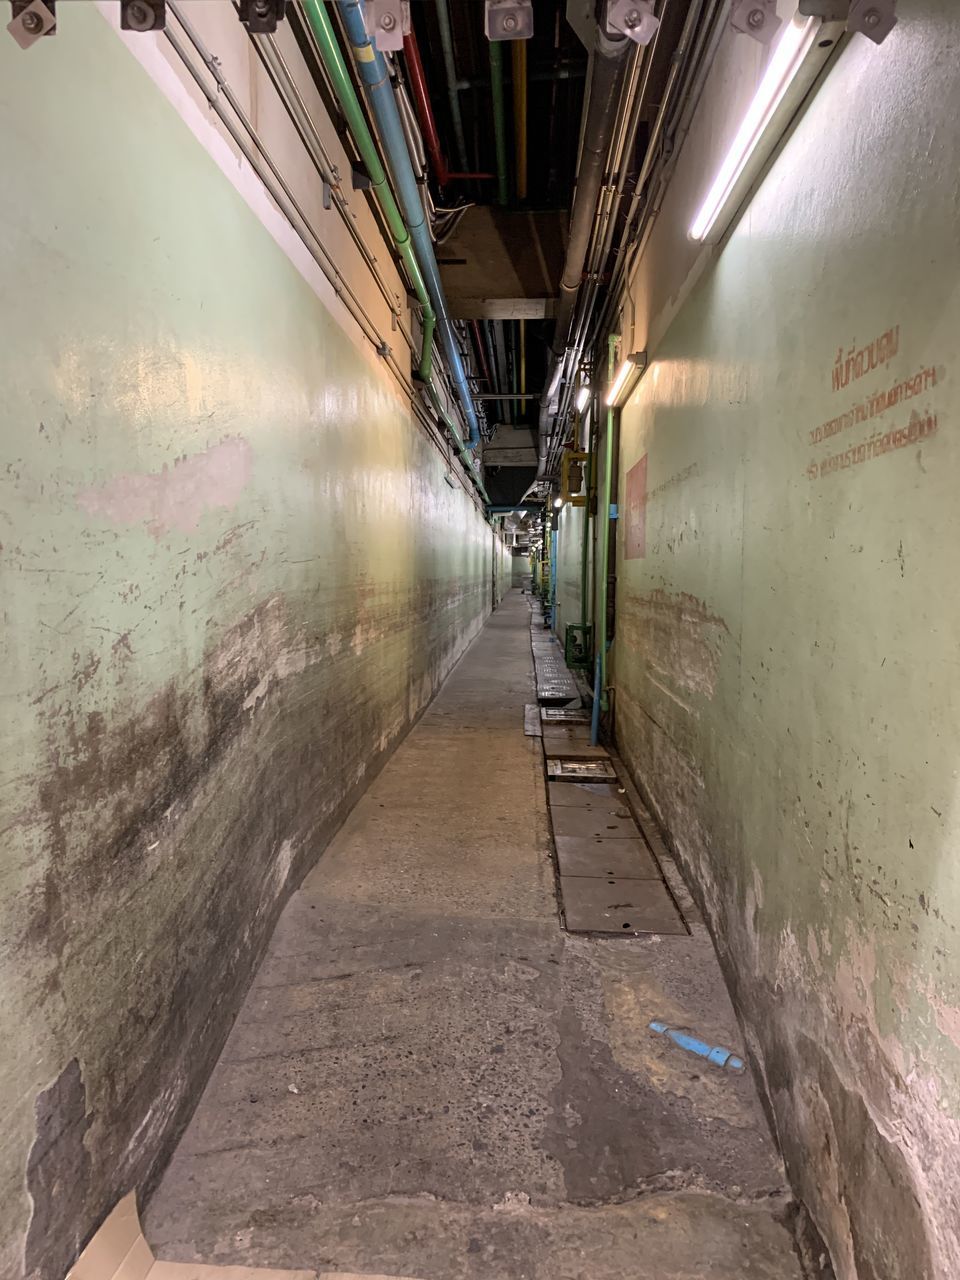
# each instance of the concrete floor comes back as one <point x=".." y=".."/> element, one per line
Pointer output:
<point x="430" y="1079"/>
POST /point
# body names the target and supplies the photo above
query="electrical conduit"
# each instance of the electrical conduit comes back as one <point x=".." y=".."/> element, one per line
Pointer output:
<point x="356" y="121"/>
<point x="376" y="79"/>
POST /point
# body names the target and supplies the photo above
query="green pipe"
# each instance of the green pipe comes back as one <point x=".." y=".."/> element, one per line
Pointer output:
<point x="357" y="123"/>
<point x="499" y="120"/>
<point x="603" y="526"/>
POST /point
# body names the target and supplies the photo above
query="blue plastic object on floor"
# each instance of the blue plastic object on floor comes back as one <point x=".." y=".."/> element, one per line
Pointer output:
<point x="713" y="1053"/>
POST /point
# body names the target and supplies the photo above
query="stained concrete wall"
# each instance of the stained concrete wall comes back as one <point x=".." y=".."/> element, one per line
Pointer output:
<point x="785" y="661"/>
<point x="232" y="576"/>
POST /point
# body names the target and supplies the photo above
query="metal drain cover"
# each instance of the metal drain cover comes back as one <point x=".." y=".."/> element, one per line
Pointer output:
<point x="593" y="824"/>
<point x="565" y="715"/>
<point x="616" y="905"/>
<point x="581" y="770"/>
<point x="606" y="797"/>
<point x="605" y="859"/>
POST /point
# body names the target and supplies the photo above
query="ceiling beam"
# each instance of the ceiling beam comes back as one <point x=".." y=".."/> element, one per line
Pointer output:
<point x="501" y="308"/>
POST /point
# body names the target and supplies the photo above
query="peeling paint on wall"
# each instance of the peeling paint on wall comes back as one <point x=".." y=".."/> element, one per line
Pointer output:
<point x="176" y="497"/>
<point x="233" y="577"/>
<point x="785" y="659"/>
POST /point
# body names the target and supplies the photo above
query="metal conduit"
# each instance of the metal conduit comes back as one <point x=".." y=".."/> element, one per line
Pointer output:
<point x="263" y="165"/>
<point x="289" y="93"/>
<point x="605" y="89"/>
<point x="376" y="80"/>
<point x="259" y="159"/>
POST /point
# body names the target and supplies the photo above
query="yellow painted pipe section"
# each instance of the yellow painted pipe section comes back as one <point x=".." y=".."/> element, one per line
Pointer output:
<point x="519" y="48"/>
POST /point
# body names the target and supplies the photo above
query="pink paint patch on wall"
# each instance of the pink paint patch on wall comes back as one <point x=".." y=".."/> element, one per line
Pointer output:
<point x="635" y="512"/>
<point x="176" y="497"/>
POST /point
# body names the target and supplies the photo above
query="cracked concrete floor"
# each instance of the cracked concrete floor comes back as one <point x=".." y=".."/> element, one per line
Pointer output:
<point x="428" y="1078"/>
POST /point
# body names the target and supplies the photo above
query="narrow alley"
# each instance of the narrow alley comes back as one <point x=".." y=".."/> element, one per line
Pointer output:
<point x="430" y="1078"/>
<point x="480" y="732"/>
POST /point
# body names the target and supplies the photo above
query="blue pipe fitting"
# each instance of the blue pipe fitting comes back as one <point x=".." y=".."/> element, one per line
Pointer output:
<point x="693" y="1044"/>
<point x="376" y="80"/>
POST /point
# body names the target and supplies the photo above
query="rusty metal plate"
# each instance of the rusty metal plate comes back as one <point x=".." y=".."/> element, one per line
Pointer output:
<point x="594" y="824"/>
<point x="562" y="750"/>
<point x="567" y="734"/>
<point x="618" y="906"/>
<point x="531" y="720"/>
<point x="605" y="796"/>
<point x="581" y="770"/>
<point x="605" y="859"/>
<point x="565" y="715"/>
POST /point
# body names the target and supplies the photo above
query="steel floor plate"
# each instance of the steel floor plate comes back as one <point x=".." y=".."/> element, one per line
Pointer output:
<point x="567" y="733"/>
<point x="531" y="720"/>
<point x="565" y="750"/>
<point x="607" y="797"/>
<point x="565" y="715"/>
<point x="618" y="906"/>
<point x="603" y="859"/>
<point x="594" y="824"/>
<point x="581" y="770"/>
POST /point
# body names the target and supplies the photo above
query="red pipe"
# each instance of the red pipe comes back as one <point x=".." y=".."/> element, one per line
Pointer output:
<point x="421" y="101"/>
<point x="428" y="125"/>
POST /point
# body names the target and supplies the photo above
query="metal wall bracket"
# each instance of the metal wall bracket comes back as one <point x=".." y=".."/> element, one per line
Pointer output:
<point x="634" y="19"/>
<point x="143" y="15"/>
<point x="32" y="21"/>
<point x="260" y="17"/>
<point x="359" y="180"/>
<point x="874" y="19"/>
<point x="387" y="22"/>
<point x="327" y="195"/>
<point x="757" y="18"/>
<point x="508" y="19"/>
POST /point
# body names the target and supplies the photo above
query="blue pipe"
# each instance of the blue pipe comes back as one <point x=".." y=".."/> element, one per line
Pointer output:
<point x="713" y="1053"/>
<point x="376" y="80"/>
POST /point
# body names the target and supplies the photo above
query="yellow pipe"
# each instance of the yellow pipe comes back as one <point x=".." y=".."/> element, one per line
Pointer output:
<point x="520" y="113"/>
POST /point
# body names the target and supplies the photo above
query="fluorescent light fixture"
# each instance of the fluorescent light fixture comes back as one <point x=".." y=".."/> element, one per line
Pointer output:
<point x="798" y="54"/>
<point x="626" y="378"/>
<point x="583" y="395"/>
<point x="558" y="503"/>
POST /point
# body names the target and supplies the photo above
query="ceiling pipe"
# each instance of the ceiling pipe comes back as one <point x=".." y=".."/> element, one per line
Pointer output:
<point x="376" y="80"/>
<point x="446" y="41"/>
<point x="425" y="116"/>
<point x="499" y="120"/>
<point x="421" y="99"/>
<point x="604" y="88"/>
<point x="519" y="57"/>
<point x="336" y="69"/>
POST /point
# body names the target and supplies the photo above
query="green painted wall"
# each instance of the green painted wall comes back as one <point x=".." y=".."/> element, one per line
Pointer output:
<point x="787" y="647"/>
<point x="232" y="575"/>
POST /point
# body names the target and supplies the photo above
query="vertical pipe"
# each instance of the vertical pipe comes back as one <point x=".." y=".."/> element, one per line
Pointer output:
<point x="499" y="120"/>
<point x="450" y="66"/>
<point x="584" y="556"/>
<point x="603" y="533"/>
<point x="519" y="54"/>
<point x="554" y="547"/>
<point x="603" y="522"/>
